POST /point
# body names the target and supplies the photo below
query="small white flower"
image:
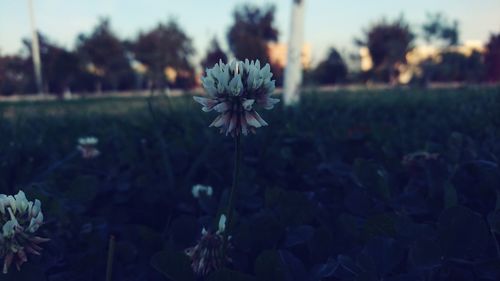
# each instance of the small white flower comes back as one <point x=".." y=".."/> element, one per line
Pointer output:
<point x="198" y="189"/>
<point x="222" y="224"/>
<point x="88" y="141"/>
<point x="86" y="146"/>
<point x="21" y="219"/>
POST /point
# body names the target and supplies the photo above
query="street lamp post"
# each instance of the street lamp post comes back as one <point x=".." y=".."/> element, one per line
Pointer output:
<point x="293" y="71"/>
<point x="35" y="50"/>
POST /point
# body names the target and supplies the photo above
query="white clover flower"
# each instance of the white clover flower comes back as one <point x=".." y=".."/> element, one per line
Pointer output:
<point x="88" y="141"/>
<point x="222" y="224"/>
<point x="198" y="189"/>
<point x="233" y="90"/>
<point x="86" y="145"/>
<point x="19" y="220"/>
<point x="208" y="254"/>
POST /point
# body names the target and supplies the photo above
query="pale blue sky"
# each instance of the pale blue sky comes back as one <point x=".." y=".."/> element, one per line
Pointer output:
<point x="327" y="22"/>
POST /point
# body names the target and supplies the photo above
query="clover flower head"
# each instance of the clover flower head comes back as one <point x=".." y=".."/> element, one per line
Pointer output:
<point x="87" y="147"/>
<point x="233" y="90"/>
<point x="20" y="220"/>
<point x="200" y="189"/>
<point x="208" y="254"/>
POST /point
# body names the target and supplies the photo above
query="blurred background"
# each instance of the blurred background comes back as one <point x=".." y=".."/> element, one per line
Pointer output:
<point x="102" y="46"/>
<point x="388" y="170"/>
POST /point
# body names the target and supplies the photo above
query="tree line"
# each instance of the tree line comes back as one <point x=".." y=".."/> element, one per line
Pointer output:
<point x="163" y="56"/>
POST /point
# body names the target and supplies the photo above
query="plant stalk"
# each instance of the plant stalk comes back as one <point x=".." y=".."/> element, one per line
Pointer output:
<point x="234" y="187"/>
<point x="111" y="254"/>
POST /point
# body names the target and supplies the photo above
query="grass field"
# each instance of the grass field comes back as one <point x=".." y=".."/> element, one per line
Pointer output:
<point x="326" y="190"/>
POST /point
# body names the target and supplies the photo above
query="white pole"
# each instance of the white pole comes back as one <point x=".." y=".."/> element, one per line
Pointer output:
<point x="35" y="50"/>
<point x="293" y="70"/>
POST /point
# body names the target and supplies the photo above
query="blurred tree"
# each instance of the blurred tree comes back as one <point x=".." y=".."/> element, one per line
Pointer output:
<point x="388" y="43"/>
<point x="492" y="58"/>
<point x="167" y="45"/>
<point x="332" y="70"/>
<point x="59" y="67"/>
<point x="438" y="28"/>
<point x="14" y="78"/>
<point x="214" y="54"/>
<point x="251" y="31"/>
<point x="455" y="67"/>
<point x="103" y="54"/>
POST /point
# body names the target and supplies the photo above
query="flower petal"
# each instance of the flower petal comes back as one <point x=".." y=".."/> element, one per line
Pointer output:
<point x="207" y="103"/>
<point x="221" y="107"/>
<point x="251" y="120"/>
<point x="257" y="116"/>
<point x="269" y="103"/>
<point x="220" y="120"/>
<point x="247" y="104"/>
<point x="236" y="86"/>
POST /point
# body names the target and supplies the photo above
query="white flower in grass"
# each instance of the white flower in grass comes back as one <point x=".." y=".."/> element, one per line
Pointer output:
<point x="20" y="220"/>
<point x="87" y="147"/>
<point x="199" y="189"/>
<point x="233" y="91"/>
<point x="208" y="254"/>
<point x="222" y="224"/>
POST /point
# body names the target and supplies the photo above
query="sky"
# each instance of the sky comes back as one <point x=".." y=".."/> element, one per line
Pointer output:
<point x="328" y="23"/>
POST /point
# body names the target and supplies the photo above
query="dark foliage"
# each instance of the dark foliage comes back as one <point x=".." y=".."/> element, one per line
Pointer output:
<point x="250" y="32"/>
<point x="214" y="54"/>
<point x="166" y="45"/>
<point x="60" y="68"/>
<point x="393" y="185"/>
<point x="456" y="67"/>
<point x="438" y="28"/>
<point x="14" y="78"/>
<point x="103" y="54"/>
<point x="388" y="43"/>
<point x="492" y="58"/>
<point x="332" y="70"/>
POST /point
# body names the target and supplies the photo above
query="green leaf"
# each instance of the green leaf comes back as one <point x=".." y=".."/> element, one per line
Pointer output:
<point x="463" y="234"/>
<point x="450" y="195"/>
<point x="173" y="265"/>
<point x="29" y="272"/>
<point x="83" y="189"/>
<point x="380" y="225"/>
<point x="425" y="253"/>
<point x="268" y="267"/>
<point x="373" y="177"/>
<point x="494" y="221"/>
<point x="229" y="275"/>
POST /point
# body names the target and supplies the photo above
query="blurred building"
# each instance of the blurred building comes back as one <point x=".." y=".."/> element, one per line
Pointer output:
<point x="419" y="54"/>
<point x="278" y="54"/>
<point x="366" y="62"/>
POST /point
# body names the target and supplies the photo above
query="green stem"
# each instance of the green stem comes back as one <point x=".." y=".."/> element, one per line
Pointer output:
<point x="234" y="187"/>
<point x="111" y="253"/>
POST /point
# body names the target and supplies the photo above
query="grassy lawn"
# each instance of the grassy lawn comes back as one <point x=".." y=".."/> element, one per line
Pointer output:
<point x="331" y="170"/>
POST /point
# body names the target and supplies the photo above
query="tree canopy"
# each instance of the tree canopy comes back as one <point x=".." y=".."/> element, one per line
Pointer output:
<point x="439" y="28"/>
<point x="104" y="55"/>
<point x="331" y="70"/>
<point x="492" y="57"/>
<point x="253" y="28"/>
<point x="388" y="44"/>
<point x="166" y="45"/>
<point x="214" y="54"/>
